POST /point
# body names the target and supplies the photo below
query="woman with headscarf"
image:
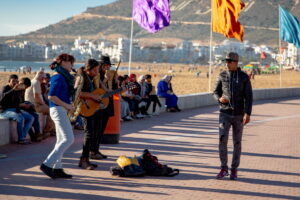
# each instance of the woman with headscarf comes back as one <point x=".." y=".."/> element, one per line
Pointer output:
<point x="60" y="93"/>
<point x="164" y="90"/>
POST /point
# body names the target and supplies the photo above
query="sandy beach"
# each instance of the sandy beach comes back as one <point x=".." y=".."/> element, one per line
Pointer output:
<point x="185" y="80"/>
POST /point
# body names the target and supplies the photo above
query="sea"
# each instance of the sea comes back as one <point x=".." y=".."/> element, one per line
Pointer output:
<point x="14" y="66"/>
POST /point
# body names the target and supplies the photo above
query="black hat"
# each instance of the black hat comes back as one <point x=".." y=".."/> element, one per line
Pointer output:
<point x="232" y="56"/>
<point x="105" y="60"/>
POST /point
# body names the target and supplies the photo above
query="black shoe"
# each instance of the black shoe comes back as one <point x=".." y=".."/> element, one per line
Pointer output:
<point x="103" y="156"/>
<point x="48" y="171"/>
<point x="60" y="173"/>
<point x="24" y="142"/>
<point x="178" y="109"/>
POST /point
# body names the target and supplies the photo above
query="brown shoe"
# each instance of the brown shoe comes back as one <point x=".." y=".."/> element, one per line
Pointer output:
<point x="97" y="156"/>
<point x="84" y="163"/>
<point x="39" y="137"/>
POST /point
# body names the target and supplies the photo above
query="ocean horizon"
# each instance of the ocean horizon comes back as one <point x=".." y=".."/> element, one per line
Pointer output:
<point x="14" y="66"/>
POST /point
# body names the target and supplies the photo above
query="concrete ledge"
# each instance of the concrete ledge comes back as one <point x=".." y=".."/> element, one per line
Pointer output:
<point x="4" y="131"/>
<point x="207" y="99"/>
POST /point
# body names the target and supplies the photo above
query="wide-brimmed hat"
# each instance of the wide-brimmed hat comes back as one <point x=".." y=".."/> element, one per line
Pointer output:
<point x="105" y="60"/>
<point x="232" y="56"/>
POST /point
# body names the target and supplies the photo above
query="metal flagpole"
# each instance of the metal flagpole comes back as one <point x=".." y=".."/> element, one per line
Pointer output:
<point x="210" y="51"/>
<point x="130" y="47"/>
<point x="280" y="60"/>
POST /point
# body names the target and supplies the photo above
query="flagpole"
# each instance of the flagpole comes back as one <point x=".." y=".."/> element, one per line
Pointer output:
<point x="210" y="51"/>
<point x="280" y="60"/>
<point x="130" y="47"/>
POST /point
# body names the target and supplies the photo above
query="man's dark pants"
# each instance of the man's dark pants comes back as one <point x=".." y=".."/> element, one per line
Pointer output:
<point x="225" y="122"/>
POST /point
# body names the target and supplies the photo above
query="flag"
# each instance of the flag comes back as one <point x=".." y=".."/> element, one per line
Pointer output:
<point x="152" y="15"/>
<point x="289" y="28"/>
<point x="225" y="18"/>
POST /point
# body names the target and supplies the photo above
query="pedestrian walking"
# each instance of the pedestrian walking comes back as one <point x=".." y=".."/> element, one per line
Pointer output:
<point x="61" y="89"/>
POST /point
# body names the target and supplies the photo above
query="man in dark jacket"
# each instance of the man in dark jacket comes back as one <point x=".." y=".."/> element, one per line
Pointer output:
<point x="233" y="91"/>
<point x="11" y="105"/>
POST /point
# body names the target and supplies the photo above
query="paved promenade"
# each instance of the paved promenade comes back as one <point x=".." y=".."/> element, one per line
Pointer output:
<point x="270" y="163"/>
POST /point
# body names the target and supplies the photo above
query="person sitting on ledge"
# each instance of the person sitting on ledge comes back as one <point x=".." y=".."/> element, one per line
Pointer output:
<point x="164" y="90"/>
<point x="10" y="103"/>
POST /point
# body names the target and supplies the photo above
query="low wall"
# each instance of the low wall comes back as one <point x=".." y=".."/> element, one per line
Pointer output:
<point x="4" y="131"/>
<point x="207" y="99"/>
<point x="8" y="129"/>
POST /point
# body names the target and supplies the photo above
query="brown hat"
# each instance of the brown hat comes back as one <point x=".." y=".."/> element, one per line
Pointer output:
<point x="232" y="56"/>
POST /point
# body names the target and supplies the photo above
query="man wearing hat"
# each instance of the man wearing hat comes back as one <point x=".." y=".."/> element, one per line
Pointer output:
<point x="104" y="114"/>
<point x="233" y="91"/>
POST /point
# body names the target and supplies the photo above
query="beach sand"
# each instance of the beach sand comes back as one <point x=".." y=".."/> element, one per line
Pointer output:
<point x="185" y="80"/>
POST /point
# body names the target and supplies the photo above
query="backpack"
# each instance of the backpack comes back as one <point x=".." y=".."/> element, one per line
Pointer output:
<point x="152" y="167"/>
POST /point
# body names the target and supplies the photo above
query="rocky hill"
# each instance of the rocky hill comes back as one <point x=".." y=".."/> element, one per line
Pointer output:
<point x="190" y="20"/>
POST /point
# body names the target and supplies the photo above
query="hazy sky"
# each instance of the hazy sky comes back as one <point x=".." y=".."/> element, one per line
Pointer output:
<point x="22" y="16"/>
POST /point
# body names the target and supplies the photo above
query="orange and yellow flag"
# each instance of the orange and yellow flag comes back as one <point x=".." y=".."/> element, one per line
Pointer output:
<point x="225" y="14"/>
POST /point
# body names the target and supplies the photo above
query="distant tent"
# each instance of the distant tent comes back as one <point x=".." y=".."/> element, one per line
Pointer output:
<point x="249" y="66"/>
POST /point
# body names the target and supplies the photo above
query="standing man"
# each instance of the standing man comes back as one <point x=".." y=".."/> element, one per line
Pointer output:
<point x="233" y="91"/>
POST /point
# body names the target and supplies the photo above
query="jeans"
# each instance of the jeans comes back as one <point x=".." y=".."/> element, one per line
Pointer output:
<point x="23" y="118"/>
<point x="225" y="122"/>
<point x="64" y="137"/>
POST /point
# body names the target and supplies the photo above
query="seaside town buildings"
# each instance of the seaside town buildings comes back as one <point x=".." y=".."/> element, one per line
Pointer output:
<point x="184" y="52"/>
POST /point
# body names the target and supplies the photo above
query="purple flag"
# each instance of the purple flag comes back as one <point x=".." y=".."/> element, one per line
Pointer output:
<point x="152" y="15"/>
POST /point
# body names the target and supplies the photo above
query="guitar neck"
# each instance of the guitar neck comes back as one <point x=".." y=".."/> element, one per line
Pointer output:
<point x="108" y="94"/>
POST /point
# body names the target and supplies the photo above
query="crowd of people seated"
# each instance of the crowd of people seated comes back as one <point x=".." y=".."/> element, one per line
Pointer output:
<point x="140" y="93"/>
<point x="26" y="102"/>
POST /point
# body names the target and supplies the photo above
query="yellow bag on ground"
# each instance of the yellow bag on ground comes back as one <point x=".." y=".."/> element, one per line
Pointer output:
<point x="124" y="161"/>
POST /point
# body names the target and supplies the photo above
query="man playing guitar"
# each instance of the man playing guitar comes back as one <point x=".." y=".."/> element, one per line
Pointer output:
<point x="84" y="82"/>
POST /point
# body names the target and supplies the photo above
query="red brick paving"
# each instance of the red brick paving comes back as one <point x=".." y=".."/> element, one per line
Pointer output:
<point x="270" y="164"/>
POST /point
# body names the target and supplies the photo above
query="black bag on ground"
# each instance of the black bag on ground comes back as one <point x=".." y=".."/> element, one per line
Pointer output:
<point x="152" y="167"/>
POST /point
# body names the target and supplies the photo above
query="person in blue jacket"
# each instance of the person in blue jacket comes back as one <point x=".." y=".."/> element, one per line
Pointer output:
<point x="164" y="90"/>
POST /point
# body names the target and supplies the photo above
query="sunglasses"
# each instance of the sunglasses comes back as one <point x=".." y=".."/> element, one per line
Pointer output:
<point x="230" y="61"/>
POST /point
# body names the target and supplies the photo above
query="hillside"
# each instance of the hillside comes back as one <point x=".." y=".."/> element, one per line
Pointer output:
<point x="190" y="20"/>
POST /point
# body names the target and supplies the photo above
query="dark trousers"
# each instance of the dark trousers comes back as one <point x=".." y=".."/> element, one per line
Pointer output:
<point x="225" y="122"/>
<point x="155" y="100"/>
<point x="91" y="126"/>
<point x="35" y="125"/>
<point x="102" y="119"/>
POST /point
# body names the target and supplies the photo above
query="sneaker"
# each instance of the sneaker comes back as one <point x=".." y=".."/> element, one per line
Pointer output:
<point x="127" y="118"/>
<point x="222" y="174"/>
<point x="233" y="174"/>
<point x="139" y="116"/>
<point x="24" y="142"/>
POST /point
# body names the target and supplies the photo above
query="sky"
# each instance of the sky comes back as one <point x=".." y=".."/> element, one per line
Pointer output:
<point x="23" y="16"/>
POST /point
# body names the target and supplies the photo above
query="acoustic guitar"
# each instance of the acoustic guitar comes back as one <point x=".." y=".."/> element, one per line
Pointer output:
<point x="90" y="106"/>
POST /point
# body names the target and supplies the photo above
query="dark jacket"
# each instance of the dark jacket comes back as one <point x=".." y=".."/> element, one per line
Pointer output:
<point x="148" y="88"/>
<point x="236" y="86"/>
<point x="9" y="98"/>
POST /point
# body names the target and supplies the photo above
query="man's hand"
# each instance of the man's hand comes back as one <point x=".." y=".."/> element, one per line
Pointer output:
<point x="19" y="86"/>
<point x="246" y="119"/>
<point x="223" y="100"/>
